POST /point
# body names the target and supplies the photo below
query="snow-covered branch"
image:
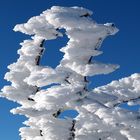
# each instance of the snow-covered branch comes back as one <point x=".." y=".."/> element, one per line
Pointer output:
<point x="125" y="90"/>
<point x="100" y="117"/>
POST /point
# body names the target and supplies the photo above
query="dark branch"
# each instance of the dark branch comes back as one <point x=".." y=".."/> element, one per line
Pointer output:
<point x="37" y="61"/>
<point x="85" y="79"/>
<point x="30" y="99"/>
<point x="126" y="101"/>
<point x="37" y="89"/>
<point x="41" y="133"/>
<point x="72" y="131"/>
<point x="85" y="15"/>
<point x="40" y="54"/>
<point x="90" y="60"/>
<point x="67" y="81"/>
<point x="85" y="88"/>
<point x="56" y="114"/>
<point x="98" y="43"/>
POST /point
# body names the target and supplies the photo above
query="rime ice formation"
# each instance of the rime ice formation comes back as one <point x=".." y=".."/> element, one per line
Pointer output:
<point x="100" y="117"/>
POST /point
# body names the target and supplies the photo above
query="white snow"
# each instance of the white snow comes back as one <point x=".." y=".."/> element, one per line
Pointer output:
<point x="100" y="117"/>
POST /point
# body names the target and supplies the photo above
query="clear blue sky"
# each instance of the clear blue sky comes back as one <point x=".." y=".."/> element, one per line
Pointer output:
<point x="123" y="48"/>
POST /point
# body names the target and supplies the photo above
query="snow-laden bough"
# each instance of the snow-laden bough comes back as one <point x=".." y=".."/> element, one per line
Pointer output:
<point x="100" y="116"/>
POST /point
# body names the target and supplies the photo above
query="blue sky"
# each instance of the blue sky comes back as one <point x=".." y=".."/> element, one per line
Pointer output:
<point x="123" y="48"/>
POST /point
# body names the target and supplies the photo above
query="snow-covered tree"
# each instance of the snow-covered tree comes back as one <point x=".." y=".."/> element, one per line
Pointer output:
<point x="44" y="93"/>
